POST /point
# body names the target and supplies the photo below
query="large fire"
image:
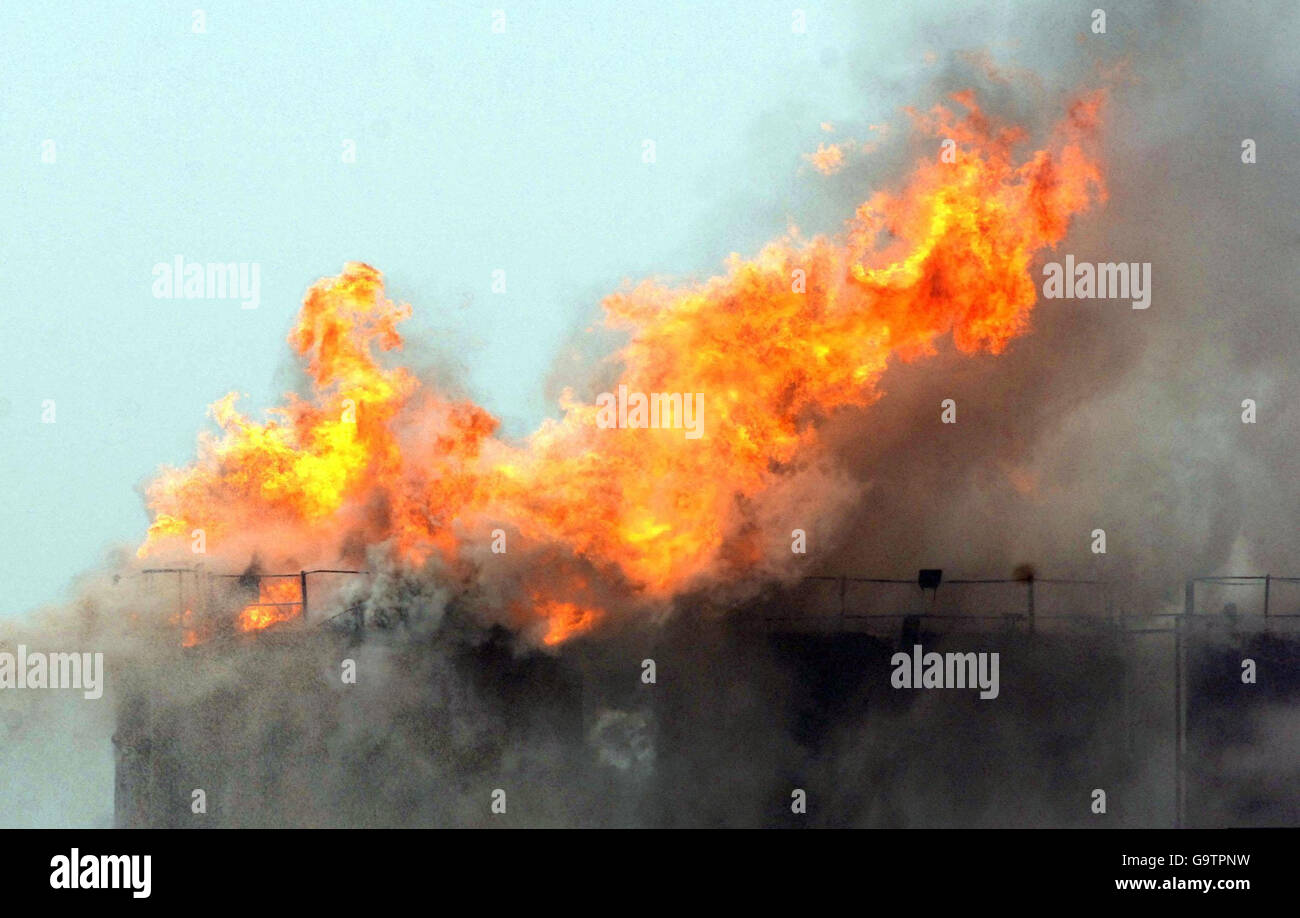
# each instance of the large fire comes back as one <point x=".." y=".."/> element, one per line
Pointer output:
<point x="774" y="344"/>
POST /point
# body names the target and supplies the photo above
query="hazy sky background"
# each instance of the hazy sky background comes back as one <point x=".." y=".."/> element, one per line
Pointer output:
<point x="475" y="151"/>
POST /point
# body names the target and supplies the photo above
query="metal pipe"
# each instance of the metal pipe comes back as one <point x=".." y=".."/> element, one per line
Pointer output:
<point x="1180" y="706"/>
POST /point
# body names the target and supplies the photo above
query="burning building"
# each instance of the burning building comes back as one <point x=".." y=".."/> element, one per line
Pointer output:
<point x="616" y="624"/>
<point x="791" y="694"/>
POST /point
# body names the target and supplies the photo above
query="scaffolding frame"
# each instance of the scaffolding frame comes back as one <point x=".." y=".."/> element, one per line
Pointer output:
<point x="202" y="588"/>
<point x="1175" y="623"/>
<point x="1178" y="624"/>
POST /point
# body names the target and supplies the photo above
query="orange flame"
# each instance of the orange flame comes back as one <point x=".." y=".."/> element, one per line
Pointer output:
<point x="189" y="634"/>
<point x="279" y="599"/>
<point x="827" y="159"/>
<point x="774" y="345"/>
<point x="565" y="619"/>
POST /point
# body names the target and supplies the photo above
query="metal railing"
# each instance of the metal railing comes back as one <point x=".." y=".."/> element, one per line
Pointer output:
<point x="1264" y="591"/>
<point x="1015" y="601"/>
<point x="204" y="594"/>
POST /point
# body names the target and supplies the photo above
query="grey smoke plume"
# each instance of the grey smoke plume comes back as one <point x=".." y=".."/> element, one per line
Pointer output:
<point x="1104" y="416"/>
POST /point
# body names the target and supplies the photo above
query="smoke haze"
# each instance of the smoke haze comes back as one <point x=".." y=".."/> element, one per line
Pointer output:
<point x="1099" y="417"/>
